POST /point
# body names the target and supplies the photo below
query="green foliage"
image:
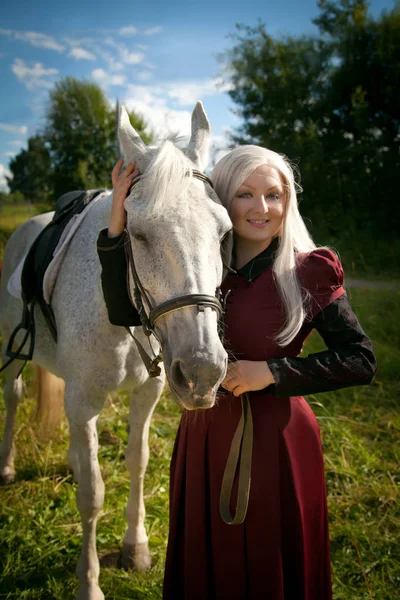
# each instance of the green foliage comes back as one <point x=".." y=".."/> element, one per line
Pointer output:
<point x="12" y="198"/>
<point x="32" y="171"/>
<point x="331" y="103"/>
<point x="40" y="531"/>
<point x="78" y="147"/>
<point x="11" y="216"/>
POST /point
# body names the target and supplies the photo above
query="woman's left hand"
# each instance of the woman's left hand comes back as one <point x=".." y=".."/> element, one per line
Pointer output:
<point x="246" y="376"/>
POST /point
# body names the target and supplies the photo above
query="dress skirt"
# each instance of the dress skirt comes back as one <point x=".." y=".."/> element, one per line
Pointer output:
<point x="281" y="551"/>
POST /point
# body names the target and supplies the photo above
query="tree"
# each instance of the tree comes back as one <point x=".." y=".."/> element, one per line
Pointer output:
<point x="32" y="171"/>
<point x="81" y="132"/>
<point x="77" y="148"/>
<point x="331" y="102"/>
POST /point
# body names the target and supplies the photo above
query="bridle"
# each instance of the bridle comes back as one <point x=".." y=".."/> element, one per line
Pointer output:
<point x="149" y="320"/>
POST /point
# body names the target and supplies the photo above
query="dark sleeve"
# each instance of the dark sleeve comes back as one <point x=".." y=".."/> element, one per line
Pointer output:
<point x="112" y="257"/>
<point x="320" y="274"/>
<point x="349" y="359"/>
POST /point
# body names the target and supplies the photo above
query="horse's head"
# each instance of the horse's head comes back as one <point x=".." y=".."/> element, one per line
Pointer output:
<point x="176" y="226"/>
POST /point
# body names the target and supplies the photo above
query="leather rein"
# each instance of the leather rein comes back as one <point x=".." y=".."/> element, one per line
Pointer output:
<point x="240" y="453"/>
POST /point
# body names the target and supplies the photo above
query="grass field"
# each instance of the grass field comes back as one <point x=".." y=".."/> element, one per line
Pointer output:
<point x="40" y="532"/>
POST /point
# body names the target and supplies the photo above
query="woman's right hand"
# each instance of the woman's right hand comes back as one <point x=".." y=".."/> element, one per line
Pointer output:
<point x="121" y="184"/>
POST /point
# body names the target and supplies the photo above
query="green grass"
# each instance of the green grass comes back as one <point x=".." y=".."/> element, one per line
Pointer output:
<point x="11" y="216"/>
<point x="40" y="531"/>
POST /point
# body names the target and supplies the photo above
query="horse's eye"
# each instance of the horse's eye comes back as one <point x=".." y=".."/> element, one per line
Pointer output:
<point x="140" y="237"/>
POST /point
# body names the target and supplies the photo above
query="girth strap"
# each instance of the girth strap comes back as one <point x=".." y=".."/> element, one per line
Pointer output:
<point x="240" y="454"/>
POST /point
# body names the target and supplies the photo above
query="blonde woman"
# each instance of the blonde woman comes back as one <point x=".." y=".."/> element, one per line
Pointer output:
<point x="281" y="289"/>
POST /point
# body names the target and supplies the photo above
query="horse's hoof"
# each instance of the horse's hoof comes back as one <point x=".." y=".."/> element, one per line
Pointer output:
<point x="136" y="557"/>
<point x="7" y="476"/>
<point x="90" y="591"/>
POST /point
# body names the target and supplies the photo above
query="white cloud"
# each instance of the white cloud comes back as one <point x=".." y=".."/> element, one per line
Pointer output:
<point x="33" y="77"/>
<point x="40" y="40"/>
<point x="188" y="93"/>
<point x="132" y="58"/>
<point x="127" y="57"/>
<point x="9" y="154"/>
<point x="14" y="128"/>
<point x="219" y="146"/>
<point x="141" y="46"/>
<point x="153" y="102"/>
<point x="150" y="103"/>
<point x="144" y="75"/>
<point x="82" y="54"/>
<point x="153" y="30"/>
<point x="106" y="79"/>
<point x="3" y="173"/>
<point x="18" y="143"/>
<point x="128" y="30"/>
<point x="113" y="64"/>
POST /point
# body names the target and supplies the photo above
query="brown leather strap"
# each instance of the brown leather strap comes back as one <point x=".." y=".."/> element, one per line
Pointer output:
<point x="199" y="300"/>
<point x="240" y="454"/>
<point x="151" y="364"/>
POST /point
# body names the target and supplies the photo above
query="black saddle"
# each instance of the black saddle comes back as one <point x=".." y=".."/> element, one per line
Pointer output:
<point x="37" y="260"/>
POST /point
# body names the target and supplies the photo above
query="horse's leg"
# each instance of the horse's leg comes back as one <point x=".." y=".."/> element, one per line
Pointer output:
<point x="73" y="460"/>
<point x="12" y="396"/>
<point x="135" y="552"/>
<point x="82" y="419"/>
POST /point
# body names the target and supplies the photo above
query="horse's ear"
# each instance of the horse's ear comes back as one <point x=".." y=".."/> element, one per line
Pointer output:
<point x="131" y="144"/>
<point x="199" y="144"/>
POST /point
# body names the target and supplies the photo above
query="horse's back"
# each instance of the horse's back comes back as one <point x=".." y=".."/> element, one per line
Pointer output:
<point x="20" y="242"/>
<point x="15" y="250"/>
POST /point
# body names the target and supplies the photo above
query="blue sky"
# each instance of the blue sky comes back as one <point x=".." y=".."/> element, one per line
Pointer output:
<point x="158" y="58"/>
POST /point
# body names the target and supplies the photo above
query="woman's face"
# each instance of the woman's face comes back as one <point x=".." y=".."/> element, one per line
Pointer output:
<point x="257" y="209"/>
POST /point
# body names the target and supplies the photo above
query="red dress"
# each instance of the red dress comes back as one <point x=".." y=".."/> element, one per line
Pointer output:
<point x="281" y="551"/>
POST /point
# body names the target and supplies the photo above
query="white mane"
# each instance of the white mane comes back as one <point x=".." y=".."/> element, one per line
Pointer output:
<point x="165" y="179"/>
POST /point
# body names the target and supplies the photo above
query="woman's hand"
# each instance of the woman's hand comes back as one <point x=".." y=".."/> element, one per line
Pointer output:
<point x="247" y="376"/>
<point x="121" y="184"/>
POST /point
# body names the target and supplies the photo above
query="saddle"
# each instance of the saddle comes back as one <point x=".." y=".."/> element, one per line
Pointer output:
<point x="36" y="262"/>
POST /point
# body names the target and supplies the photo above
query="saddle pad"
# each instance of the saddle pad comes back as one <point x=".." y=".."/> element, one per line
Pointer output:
<point x="14" y="285"/>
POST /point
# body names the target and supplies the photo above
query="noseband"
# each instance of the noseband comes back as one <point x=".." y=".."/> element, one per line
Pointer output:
<point x="201" y="301"/>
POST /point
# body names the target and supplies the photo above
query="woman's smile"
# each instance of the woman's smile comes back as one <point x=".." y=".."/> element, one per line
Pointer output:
<point x="259" y="223"/>
<point x="257" y="212"/>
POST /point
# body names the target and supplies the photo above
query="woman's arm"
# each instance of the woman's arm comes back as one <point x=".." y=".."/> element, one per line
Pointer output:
<point x="111" y="250"/>
<point x="349" y="359"/>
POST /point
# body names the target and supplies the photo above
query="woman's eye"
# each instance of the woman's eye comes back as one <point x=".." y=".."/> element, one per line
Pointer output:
<point x="276" y="197"/>
<point x="244" y="195"/>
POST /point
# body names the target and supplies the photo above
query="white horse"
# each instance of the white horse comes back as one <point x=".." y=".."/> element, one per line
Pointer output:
<point x="175" y="224"/>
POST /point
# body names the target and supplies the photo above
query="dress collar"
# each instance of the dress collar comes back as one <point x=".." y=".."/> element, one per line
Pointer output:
<point x="260" y="263"/>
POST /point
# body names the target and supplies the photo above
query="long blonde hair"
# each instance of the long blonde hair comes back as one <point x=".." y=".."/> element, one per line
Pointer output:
<point x="229" y="173"/>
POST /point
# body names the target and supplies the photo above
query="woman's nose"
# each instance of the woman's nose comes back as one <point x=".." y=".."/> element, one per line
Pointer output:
<point x="262" y="204"/>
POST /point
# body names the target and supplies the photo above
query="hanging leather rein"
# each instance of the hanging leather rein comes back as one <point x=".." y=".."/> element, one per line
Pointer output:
<point x="240" y="452"/>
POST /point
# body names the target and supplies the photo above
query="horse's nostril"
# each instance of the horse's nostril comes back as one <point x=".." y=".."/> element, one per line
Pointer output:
<point x="178" y="374"/>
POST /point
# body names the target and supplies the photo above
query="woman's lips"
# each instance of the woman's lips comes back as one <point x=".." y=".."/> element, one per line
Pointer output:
<point x="259" y="223"/>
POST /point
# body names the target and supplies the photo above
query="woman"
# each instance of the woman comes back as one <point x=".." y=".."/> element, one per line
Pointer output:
<point x="283" y="288"/>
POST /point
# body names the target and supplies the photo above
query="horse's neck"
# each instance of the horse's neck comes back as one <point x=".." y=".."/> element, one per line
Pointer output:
<point x="100" y="213"/>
